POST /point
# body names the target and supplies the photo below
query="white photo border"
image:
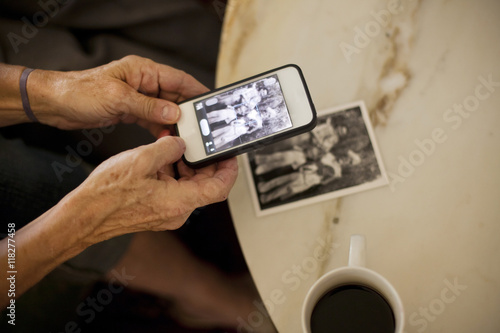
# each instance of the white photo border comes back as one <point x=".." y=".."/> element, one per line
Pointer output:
<point x="382" y="180"/>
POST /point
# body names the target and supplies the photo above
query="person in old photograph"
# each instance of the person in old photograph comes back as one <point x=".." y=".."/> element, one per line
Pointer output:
<point x="241" y="101"/>
<point x="239" y="114"/>
<point x="308" y="146"/>
<point x="334" y="159"/>
<point x="225" y="115"/>
<point x="248" y="97"/>
<point x="250" y="123"/>
<point x="237" y="103"/>
<point x="321" y="172"/>
<point x="308" y="175"/>
<point x="251" y="115"/>
<point x="311" y="159"/>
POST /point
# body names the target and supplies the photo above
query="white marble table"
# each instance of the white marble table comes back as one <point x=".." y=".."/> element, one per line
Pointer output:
<point x="429" y="74"/>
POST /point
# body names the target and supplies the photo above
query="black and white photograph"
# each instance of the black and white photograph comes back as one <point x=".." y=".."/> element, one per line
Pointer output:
<point x="244" y="114"/>
<point x="338" y="157"/>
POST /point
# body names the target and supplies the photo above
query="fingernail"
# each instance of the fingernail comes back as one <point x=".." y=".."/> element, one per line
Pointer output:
<point x="170" y="113"/>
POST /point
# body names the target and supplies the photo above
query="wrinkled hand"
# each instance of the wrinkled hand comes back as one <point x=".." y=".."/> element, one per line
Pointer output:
<point x="136" y="191"/>
<point x="132" y="89"/>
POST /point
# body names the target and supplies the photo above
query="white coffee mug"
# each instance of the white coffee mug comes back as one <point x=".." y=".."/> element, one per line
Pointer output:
<point x="354" y="273"/>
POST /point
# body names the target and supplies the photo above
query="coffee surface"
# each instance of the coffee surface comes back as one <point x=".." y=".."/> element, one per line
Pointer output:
<point x="352" y="309"/>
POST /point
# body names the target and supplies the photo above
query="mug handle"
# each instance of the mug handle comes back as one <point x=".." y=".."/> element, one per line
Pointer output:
<point x="357" y="251"/>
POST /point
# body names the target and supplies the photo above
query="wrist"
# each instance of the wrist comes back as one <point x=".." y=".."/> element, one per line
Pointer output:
<point x="44" y="91"/>
<point x="47" y="242"/>
<point x="72" y="225"/>
<point x="90" y="208"/>
<point x="67" y="221"/>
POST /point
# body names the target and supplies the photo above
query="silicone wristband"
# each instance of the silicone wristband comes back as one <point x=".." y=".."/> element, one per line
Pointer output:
<point x="24" y="94"/>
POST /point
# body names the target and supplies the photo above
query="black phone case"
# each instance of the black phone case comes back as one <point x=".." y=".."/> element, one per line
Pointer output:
<point x="261" y="142"/>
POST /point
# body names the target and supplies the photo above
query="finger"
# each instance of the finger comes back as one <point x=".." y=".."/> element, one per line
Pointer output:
<point x="148" y="80"/>
<point x="196" y="174"/>
<point x="166" y="173"/>
<point x="185" y="171"/>
<point x="190" y="194"/>
<point x="176" y="85"/>
<point x="215" y="188"/>
<point x="207" y="171"/>
<point x="165" y="151"/>
<point x="227" y="171"/>
<point x="151" y="109"/>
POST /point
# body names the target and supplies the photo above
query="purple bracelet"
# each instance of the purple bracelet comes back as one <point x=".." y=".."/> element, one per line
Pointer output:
<point x="24" y="94"/>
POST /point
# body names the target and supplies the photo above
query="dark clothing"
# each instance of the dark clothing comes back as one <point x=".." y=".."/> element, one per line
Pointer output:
<point x="76" y="35"/>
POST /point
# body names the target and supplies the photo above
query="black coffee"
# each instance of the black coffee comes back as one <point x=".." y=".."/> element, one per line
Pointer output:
<point x="352" y="309"/>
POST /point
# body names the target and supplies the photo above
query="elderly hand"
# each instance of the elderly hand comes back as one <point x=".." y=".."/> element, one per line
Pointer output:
<point x="136" y="191"/>
<point x="132" y="89"/>
<point x="132" y="191"/>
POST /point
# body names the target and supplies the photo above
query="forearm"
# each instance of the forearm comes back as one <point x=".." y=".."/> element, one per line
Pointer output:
<point x="11" y="107"/>
<point x="39" y="247"/>
<point x="42" y="94"/>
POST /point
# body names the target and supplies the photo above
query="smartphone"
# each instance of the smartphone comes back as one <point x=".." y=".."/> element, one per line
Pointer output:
<point x="245" y="115"/>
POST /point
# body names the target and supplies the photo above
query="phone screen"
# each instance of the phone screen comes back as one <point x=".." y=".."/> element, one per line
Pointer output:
<point x="243" y="114"/>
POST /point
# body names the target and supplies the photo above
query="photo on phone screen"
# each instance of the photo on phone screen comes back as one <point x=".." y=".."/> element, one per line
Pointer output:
<point x="243" y="114"/>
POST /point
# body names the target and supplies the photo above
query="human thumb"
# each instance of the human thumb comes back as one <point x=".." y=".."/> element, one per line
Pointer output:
<point x="166" y="150"/>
